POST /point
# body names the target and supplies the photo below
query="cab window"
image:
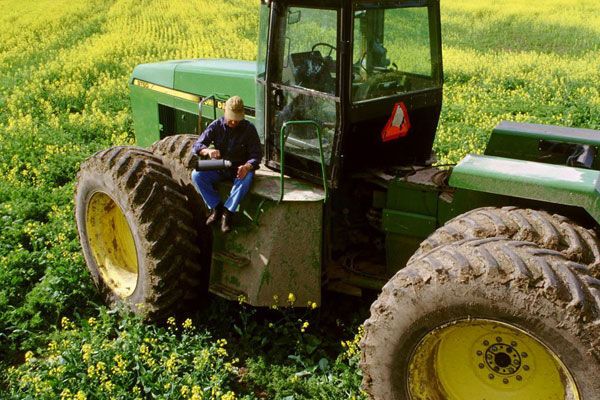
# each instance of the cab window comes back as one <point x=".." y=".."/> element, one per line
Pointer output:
<point x="391" y="53"/>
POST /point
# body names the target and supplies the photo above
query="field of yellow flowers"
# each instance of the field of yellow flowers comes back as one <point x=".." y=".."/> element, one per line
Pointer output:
<point x="64" y="67"/>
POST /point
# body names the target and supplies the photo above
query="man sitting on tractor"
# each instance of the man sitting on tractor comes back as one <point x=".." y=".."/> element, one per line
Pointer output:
<point x="234" y="139"/>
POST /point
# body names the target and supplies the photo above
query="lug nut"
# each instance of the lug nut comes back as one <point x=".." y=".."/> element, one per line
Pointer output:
<point x="491" y="376"/>
<point x="486" y="343"/>
<point x="505" y="381"/>
<point x="499" y="339"/>
<point x="526" y="367"/>
<point x="519" y="378"/>
<point x="524" y="355"/>
<point x="481" y="365"/>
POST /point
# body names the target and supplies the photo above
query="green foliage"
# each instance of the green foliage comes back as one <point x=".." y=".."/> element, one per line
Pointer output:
<point x="64" y="68"/>
<point x="117" y="358"/>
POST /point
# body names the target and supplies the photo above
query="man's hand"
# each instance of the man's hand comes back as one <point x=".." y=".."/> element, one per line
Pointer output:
<point x="242" y="171"/>
<point x="211" y="153"/>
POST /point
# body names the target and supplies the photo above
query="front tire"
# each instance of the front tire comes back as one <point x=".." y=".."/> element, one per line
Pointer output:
<point x="485" y="318"/>
<point x="136" y="234"/>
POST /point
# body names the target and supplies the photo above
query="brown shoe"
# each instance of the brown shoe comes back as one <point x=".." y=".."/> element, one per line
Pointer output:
<point x="226" y="220"/>
<point x="215" y="214"/>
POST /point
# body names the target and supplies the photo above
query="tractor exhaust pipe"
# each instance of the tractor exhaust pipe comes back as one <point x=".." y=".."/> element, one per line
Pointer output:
<point x="212" y="165"/>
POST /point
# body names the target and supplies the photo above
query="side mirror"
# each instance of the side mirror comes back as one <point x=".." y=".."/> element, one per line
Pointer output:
<point x="294" y="17"/>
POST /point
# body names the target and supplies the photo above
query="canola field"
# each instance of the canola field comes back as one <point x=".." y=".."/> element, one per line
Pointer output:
<point x="64" y="68"/>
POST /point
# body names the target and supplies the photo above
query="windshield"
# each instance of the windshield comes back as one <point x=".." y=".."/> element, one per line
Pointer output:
<point x="311" y="49"/>
<point x="391" y="53"/>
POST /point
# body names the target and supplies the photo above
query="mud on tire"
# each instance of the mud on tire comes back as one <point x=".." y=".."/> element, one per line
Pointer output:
<point x="530" y="289"/>
<point x="130" y="211"/>
<point x="550" y="231"/>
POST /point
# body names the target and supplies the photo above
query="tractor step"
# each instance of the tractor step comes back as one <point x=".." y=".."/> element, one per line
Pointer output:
<point x="230" y="259"/>
<point x="227" y="292"/>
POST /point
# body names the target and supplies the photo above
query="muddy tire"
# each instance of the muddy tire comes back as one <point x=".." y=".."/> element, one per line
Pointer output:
<point x="549" y="231"/>
<point x="136" y="233"/>
<point x="177" y="156"/>
<point x="485" y="318"/>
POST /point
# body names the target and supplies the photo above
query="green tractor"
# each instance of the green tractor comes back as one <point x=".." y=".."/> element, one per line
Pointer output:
<point x="489" y="269"/>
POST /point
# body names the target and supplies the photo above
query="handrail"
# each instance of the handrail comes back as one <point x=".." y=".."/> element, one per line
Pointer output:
<point x="283" y="138"/>
<point x="200" y="104"/>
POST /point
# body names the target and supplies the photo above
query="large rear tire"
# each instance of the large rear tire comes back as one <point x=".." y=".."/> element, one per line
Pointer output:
<point x="550" y="231"/>
<point x="176" y="153"/>
<point x="485" y="318"/>
<point x="136" y="233"/>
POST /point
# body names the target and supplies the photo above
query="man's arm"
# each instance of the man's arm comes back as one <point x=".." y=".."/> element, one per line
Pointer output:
<point x="205" y="140"/>
<point x="254" y="152"/>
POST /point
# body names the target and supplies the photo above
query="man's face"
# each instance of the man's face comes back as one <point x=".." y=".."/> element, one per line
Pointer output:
<point x="232" y="123"/>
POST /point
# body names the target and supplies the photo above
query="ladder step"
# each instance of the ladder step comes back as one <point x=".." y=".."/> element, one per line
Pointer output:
<point x="231" y="259"/>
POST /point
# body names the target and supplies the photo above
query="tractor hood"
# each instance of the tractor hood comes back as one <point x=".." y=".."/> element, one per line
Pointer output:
<point x="203" y="77"/>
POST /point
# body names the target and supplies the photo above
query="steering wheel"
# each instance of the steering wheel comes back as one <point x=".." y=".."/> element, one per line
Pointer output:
<point x="331" y="48"/>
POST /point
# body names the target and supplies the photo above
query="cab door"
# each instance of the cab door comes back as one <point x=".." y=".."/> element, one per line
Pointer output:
<point x="302" y="85"/>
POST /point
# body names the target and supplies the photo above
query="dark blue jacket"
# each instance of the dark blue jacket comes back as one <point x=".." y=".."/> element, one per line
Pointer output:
<point x="240" y="145"/>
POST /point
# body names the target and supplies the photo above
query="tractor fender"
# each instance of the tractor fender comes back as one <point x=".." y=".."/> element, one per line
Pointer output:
<point x="532" y="180"/>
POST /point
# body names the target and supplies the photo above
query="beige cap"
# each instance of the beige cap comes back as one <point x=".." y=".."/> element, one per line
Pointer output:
<point x="234" y="109"/>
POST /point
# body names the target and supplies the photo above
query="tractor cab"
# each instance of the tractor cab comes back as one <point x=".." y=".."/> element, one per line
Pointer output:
<point x="333" y="74"/>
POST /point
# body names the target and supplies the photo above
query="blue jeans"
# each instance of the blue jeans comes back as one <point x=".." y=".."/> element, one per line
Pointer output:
<point x="204" y="182"/>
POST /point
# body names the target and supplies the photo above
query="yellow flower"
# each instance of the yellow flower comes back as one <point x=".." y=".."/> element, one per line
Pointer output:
<point x="185" y="390"/>
<point x="65" y="322"/>
<point x="86" y="351"/>
<point x="100" y="366"/>
<point x="92" y="321"/>
<point x="221" y="352"/>
<point x="80" y="396"/>
<point x="144" y="350"/>
<point x="109" y="386"/>
<point x="171" y="362"/>
<point x="304" y="326"/>
<point x="171" y="322"/>
<point x="228" y="396"/>
<point x="29" y="356"/>
<point x="187" y="324"/>
<point x="291" y="298"/>
<point x="119" y="368"/>
<point x="65" y="394"/>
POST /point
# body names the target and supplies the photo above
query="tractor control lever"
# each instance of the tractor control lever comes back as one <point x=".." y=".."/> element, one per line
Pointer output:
<point x="211" y="165"/>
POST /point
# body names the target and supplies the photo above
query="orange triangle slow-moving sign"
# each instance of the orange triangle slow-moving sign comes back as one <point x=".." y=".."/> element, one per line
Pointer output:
<point x="398" y="125"/>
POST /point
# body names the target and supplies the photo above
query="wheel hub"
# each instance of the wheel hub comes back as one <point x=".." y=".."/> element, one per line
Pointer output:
<point x="502" y="361"/>
<point x="474" y="359"/>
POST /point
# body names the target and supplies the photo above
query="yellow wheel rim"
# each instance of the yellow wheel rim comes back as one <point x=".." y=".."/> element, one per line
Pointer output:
<point x="111" y="243"/>
<point x="485" y="359"/>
